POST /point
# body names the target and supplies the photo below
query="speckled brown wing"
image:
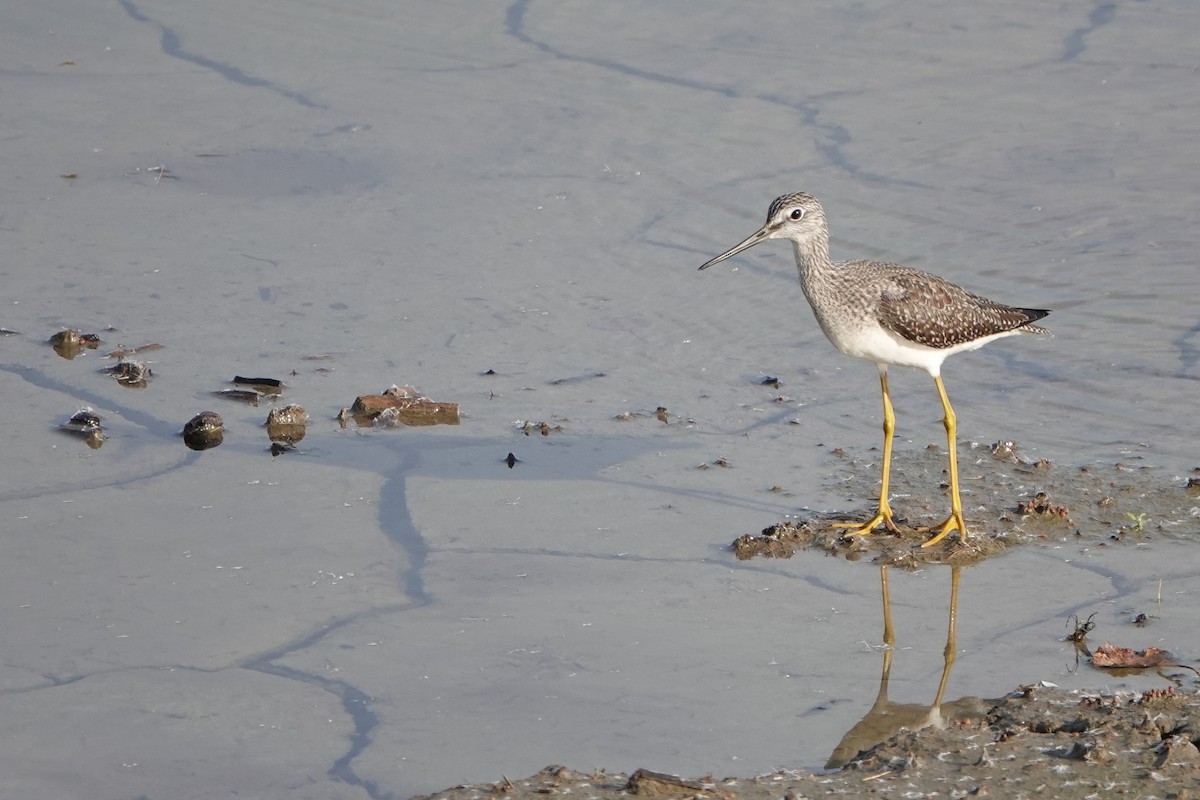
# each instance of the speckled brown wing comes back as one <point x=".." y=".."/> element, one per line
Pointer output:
<point x="931" y="311"/>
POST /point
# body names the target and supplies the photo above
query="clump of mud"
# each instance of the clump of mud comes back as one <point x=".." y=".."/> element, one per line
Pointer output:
<point x="1008" y="501"/>
<point x="904" y="550"/>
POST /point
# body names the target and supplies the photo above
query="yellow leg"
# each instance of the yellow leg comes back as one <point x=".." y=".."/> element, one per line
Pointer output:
<point x="955" y="521"/>
<point x="884" y="515"/>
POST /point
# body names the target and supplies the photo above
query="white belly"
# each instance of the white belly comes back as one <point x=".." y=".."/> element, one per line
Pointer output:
<point x="872" y="343"/>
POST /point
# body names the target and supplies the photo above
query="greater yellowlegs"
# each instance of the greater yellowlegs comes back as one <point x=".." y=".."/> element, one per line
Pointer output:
<point x="888" y="314"/>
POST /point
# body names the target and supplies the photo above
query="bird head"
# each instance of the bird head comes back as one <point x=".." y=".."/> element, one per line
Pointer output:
<point x="796" y="216"/>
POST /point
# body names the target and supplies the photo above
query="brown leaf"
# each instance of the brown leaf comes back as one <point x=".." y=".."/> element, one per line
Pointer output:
<point x="1109" y="655"/>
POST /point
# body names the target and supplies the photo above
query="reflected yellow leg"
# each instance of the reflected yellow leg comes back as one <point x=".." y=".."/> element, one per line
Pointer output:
<point x="889" y="634"/>
<point x="951" y="650"/>
<point x="955" y="521"/>
<point x="889" y="637"/>
<point x="884" y="515"/>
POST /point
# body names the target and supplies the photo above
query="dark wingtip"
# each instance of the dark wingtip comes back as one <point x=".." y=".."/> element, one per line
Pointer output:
<point x="1035" y="314"/>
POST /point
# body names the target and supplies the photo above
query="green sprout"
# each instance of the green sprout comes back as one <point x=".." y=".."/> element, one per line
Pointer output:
<point x="1139" y="521"/>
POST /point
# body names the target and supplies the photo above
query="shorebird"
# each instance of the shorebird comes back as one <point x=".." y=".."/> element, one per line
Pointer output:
<point x="891" y="315"/>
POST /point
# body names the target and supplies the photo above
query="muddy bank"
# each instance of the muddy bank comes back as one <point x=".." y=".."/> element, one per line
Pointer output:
<point x="1036" y="741"/>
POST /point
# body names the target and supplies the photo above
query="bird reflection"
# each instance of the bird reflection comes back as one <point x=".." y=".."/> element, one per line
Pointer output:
<point x="886" y="717"/>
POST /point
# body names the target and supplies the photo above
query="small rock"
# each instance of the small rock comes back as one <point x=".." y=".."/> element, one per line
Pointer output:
<point x="70" y="343"/>
<point x="1006" y="449"/>
<point x="204" y="430"/>
<point x="286" y="425"/>
<point x="1177" y="751"/>
<point x="132" y="374"/>
<point x="658" y="784"/>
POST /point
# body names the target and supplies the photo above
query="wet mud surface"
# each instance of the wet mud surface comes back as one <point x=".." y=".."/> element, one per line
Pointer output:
<point x="1035" y="741"/>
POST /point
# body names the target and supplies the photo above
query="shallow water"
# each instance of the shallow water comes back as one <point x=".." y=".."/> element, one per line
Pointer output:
<point x="529" y="190"/>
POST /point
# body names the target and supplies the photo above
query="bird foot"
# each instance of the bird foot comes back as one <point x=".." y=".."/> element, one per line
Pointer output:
<point x="882" y="517"/>
<point x="954" y="522"/>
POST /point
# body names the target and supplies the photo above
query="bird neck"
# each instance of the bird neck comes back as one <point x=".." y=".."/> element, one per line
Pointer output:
<point x="812" y="255"/>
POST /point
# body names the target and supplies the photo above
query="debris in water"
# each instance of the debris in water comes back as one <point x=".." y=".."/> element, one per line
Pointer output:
<point x="264" y="385"/>
<point x="86" y="423"/>
<point x="543" y="427"/>
<point x="576" y="379"/>
<point x="1081" y="629"/>
<point x="1110" y="656"/>
<point x="404" y="406"/>
<point x="241" y="395"/>
<point x="121" y="352"/>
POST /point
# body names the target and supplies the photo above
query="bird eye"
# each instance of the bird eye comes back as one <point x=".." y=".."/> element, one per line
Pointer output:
<point x="797" y="213"/>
